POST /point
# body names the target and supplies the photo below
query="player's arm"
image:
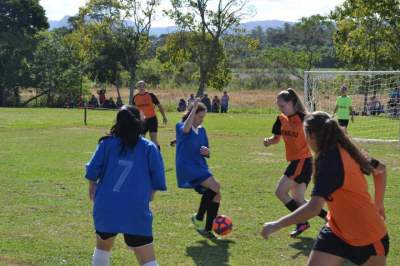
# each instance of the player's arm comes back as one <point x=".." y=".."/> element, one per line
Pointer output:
<point x="272" y="140"/>
<point x="351" y="113"/>
<point x="276" y="134"/>
<point x="304" y="213"/>
<point x="94" y="168"/>
<point x="380" y="178"/>
<point x="157" y="103"/>
<point x="334" y="111"/>
<point x="189" y="121"/>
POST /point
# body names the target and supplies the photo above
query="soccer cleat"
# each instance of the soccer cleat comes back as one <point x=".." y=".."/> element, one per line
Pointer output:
<point x="208" y="234"/>
<point x="197" y="223"/>
<point x="300" y="228"/>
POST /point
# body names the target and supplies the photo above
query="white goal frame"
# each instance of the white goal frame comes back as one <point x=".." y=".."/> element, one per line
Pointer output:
<point x="310" y="89"/>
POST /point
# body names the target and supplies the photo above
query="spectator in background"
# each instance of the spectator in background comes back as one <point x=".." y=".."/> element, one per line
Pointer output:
<point x="93" y="103"/>
<point x="190" y="100"/>
<point x="182" y="105"/>
<point x="394" y="102"/>
<point x="216" y="104"/>
<point x="119" y="102"/>
<point x="207" y="102"/>
<point x="102" y="96"/>
<point x="224" y="102"/>
<point x="374" y="106"/>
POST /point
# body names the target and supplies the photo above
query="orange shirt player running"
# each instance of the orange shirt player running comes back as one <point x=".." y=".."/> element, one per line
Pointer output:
<point x="291" y="129"/>
<point x="146" y="103"/>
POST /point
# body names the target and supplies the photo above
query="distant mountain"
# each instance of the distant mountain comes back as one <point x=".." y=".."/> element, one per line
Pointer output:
<point x="248" y="26"/>
<point x="54" y="24"/>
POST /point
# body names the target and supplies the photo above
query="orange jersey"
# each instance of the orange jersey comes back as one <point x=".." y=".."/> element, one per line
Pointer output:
<point x="352" y="215"/>
<point x="145" y="103"/>
<point x="291" y="129"/>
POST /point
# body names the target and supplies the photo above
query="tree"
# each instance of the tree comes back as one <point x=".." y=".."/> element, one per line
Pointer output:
<point x="56" y="68"/>
<point x="20" y="20"/>
<point x="368" y="34"/>
<point x="208" y="26"/>
<point x="115" y="34"/>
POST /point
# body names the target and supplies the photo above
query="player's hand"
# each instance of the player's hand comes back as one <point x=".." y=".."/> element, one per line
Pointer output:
<point x="204" y="151"/>
<point x="92" y="190"/>
<point x="267" y="142"/>
<point x="381" y="210"/>
<point x="196" y="103"/>
<point x="269" y="228"/>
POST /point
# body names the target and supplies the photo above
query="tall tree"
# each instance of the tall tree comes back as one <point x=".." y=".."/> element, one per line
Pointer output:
<point x="20" y="20"/>
<point x="116" y="34"/>
<point x="209" y="21"/>
<point x="368" y="34"/>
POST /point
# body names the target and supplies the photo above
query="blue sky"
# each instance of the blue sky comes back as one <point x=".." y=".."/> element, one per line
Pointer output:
<point x="288" y="10"/>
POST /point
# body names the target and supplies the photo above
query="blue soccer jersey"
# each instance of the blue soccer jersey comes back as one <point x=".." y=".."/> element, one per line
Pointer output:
<point x="191" y="166"/>
<point x="126" y="181"/>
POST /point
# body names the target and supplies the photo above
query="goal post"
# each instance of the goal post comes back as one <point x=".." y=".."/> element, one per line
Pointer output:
<point x="375" y="100"/>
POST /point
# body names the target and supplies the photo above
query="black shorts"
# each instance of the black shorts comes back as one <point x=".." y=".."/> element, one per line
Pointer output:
<point x="132" y="241"/>
<point x="300" y="170"/>
<point x="343" y="122"/>
<point x="150" y="125"/>
<point x="328" y="242"/>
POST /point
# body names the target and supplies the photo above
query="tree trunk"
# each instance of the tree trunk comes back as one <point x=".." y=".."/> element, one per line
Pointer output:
<point x="2" y="96"/>
<point x="35" y="98"/>
<point x="202" y="81"/>
<point x="132" y="81"/>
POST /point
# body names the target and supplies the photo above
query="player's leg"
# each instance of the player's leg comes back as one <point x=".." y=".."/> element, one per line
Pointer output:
<point x="143" y="248"/>
<point x="285" y="184"/>
<point x="376" y="261"/>
<point x="102" y="252"/>
<point x="214" y="198"/>
<point x="318" y="258"/>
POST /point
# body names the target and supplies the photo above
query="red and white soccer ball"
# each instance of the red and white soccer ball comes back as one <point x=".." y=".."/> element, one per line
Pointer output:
<point x="222" y="225"/>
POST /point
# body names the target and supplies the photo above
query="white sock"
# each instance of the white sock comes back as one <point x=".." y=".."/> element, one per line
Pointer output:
<point x="151" y="263"/>
<point x="101" y="257"/>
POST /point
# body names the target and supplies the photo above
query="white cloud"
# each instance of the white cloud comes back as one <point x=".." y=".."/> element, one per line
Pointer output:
<point x="288" y="10"/>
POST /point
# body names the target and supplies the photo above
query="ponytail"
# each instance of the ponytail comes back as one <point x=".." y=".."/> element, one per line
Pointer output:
<point x="127" y="127"/>
<point x="328" y="134"/>
<point x="290" y="95"/>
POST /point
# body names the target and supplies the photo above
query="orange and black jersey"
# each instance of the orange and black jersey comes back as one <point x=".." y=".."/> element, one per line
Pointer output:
<point x="145" y="103"/>
<point x="291" y="129"/>
<point x="352" y="215"/>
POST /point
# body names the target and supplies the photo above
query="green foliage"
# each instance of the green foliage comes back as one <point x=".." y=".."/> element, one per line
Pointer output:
<point x="20" y="20"/>
<point x="56" y="68"/>
<point x="207" y="26"/>
<point x="368" y="34"/>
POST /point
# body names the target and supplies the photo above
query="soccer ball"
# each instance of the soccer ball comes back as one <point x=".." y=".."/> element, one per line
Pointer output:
<point x="222" y="225"/>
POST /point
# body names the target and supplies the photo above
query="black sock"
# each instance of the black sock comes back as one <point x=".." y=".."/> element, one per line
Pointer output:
<point x="323" y="214"/>
<point x="212" y="212"/>
<point x="292" y="205"/>
<point x="206" y="199"/>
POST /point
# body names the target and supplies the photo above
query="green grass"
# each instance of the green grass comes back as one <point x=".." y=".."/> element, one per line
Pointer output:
<point x="45" y="216"/>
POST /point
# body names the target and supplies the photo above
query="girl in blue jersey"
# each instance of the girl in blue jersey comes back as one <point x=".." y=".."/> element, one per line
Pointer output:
<point x="123" y="174"/>
<point x="192" y="170"/>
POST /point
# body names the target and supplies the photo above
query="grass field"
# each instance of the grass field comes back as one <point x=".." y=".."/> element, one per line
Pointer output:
<point x="45" y="216"/>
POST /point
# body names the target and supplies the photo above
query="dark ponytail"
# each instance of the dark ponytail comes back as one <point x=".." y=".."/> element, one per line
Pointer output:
<point x="328" y="134"/>
<point x="127" y="127"/>
<point x="290" y="95"/>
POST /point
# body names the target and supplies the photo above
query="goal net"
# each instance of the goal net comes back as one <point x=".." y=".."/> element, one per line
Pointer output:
<point x="375" y="100"/>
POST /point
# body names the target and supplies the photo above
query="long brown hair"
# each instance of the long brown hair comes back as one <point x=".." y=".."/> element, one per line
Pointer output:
<point x="200" y="108"/>
<point x="290" y="95"/>
<point x="328" y="134"/>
